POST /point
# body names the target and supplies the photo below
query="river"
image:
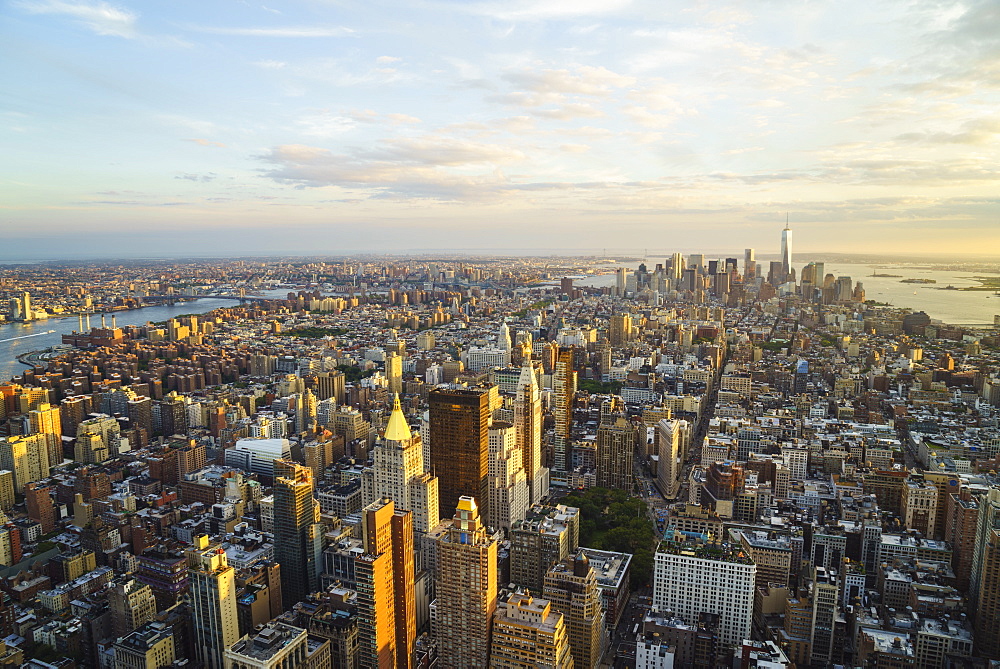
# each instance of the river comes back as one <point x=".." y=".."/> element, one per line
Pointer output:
<point x="11" y="347"/>
<point x="951" y="306"/>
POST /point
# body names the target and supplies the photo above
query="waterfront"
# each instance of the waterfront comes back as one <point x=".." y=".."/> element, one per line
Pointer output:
<point x="951" y="306"/>
<point x="13" y="341"/>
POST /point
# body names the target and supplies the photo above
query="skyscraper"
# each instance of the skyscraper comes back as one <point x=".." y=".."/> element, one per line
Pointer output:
<point x="466" y="588"/>
<point x="398" y="473"/>
<point x="616" y="446"/>
<point x="749" y="263"/>
<point x="26" y="456"/>
<point x="620" y="328"/>
<point x="571" y="587"/>
<point x="984" y="585"/>
<point x="213" y="602"/>
<point x="394" y="372"/>
<point x="670" y="436"/>
<point x="786" y="250"/>
<point x="824" y="615"/>
<point x="564" y="395"/>
<point x="385" y="583"/>
<point x="507" y="484"/>
<point x="298" y="536"/>
<point x="47" y="420"/>
<point x="528" y="433"/>
<point x="503" y="338"/>
<point x="459" y="428"/>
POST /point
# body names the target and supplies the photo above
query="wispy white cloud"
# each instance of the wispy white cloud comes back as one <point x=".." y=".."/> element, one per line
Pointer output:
<point x="542" y="10"/>
<point x="100" y="17"/>
<point x="206" y="142"/>
<point x="279" y="31"/>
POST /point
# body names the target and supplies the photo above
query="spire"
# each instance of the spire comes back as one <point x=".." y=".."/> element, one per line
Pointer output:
<point x="503" y="339"/>
<point x="527" y="376"/>
<point x="397" y="429"/>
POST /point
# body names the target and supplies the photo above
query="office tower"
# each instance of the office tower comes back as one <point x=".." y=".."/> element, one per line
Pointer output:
<point x="7" y="494"/>
<point x="398" y="473"/>
<point x="460" y="447"/>
<point x="384" y="576"/>
<point x="26" y="456"/>
<point x="675" y="269"/>
<point x="671" y="438"/>
<point x="749" y="263"/>
<point x="40" y="506"/>
<point x="508" y="487"/>
<point x="132" y="605"/>
<point x="571" y="587"/>
<point x="305" y="412"/>
<point x="984" y="583"/>
<point x="213" y="602"/>
<point x="331" y="385"/>
<point x="775" y="274"/>
<point x="616" y="446"/>
<point x="150" y="646"/>
<point x="298" y="536"/>
<point x="528" y="433"/>
<point x="786" y="250"/>
<point x="529" y="632"/>
<point x="563" y="397"/>
<point x="47" y="420"/>
<point x="696" y="261"/>
<point x="257" y="456"/>
<point x="547" y="535"/>
<point x="691" y="578"/>
<point x="620" y="329"/>
<point x="620" y="282"/>
<point x="986" y="600"/>
<point x="824" y="615"/>
<point x="350" y="424"/>
<point x="466" y="584"/>
<point x="503" y="338"/>
<point x="394" y="372"/>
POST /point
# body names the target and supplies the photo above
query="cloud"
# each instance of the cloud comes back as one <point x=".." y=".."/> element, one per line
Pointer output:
<point x="974" y="132"/>
<point x="568" y="112"/>
<point x="206" y="142"/>
<point x="542" y="10"/>
<point x="204" y="178"/>
<point x="430" y="167"/>
<point x="100" y="17"/>
<point x="586" y="80"/>
<point x="285" y="31"/>
<point x="405" y="119"/>
<point x="386" y="60"/>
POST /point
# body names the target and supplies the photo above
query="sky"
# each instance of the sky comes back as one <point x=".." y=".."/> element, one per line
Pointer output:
<point x="327" y="126"/>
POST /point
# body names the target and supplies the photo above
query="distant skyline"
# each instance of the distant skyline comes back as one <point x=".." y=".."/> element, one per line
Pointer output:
<point x="325" y="127"/>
